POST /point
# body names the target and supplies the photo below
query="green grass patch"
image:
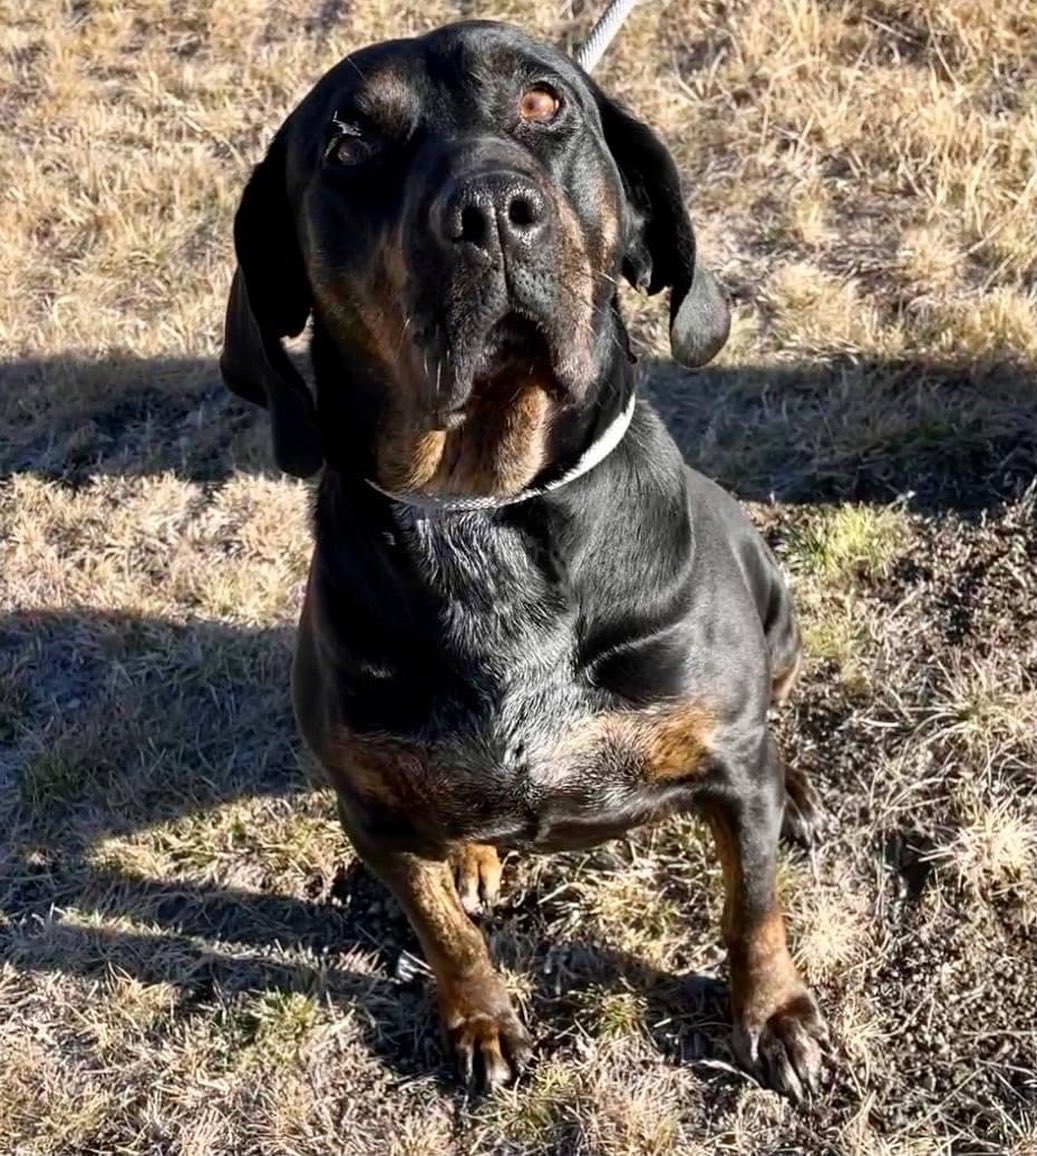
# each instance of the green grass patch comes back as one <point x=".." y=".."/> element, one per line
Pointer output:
<point x="613" y="1015"/>
<point x="849" y="544"/>
<point x="73" y="767"/>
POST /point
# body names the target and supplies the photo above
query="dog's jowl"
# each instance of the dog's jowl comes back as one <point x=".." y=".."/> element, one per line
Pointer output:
<point x="527" y="624"/>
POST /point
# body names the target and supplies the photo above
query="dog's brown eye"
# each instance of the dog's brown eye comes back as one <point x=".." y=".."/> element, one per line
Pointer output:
<point x="539" y="104"/>
<point x="351" y="143"/>
<point x="349" y="148"/>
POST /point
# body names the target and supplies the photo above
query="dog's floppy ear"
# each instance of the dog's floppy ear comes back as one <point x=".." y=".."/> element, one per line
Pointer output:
<point x="270" y="299"/>
<point x="660" y="240"/>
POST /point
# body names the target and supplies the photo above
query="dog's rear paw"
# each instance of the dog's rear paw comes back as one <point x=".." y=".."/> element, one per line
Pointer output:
<point x="487" y="1038"/>
<point x="784" y="1051"/>
<point x="801" y="822"/>
<point x="477" y="875"/>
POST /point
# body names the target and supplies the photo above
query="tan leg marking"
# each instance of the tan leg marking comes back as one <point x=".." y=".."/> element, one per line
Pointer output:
<point x="778" y="1028"/>
<point x="485" y="1035"/>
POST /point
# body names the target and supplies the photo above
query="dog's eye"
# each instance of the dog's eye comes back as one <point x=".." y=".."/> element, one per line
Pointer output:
<point x="349" y="147"/>
<point x="539" y="104"/>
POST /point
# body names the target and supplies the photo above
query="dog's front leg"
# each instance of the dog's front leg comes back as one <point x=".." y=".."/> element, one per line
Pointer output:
<point x="777" y="1025"/>
<point x="482" y="1030"/>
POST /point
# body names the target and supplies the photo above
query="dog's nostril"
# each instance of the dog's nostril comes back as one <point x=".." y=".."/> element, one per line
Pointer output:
<point x="522" y="212"/>
<point x="473" y="225"/>
<point x="489" y="210"/>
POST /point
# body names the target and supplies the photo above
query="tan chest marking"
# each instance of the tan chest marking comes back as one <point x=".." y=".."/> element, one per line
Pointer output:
<point x="659" y="744"/>
<point x="499" y="449"/>
<point x="381" y="769"/>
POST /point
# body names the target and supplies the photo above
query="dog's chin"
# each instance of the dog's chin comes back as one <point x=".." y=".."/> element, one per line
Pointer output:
<point x="514" y="353"/>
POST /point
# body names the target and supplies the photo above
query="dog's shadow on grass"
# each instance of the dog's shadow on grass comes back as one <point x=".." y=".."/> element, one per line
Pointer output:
<point x="115" y="728"/>
<point x="949" y="434"/>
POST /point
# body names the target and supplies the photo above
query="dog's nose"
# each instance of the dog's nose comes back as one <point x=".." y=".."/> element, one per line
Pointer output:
<point x="490" y="212"/>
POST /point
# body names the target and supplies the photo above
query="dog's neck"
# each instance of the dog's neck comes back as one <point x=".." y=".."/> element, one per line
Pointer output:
<point x="510" y="448"/>
<point x="598" y="449"/>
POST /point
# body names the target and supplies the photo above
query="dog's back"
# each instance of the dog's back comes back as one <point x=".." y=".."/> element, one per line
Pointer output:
<point x="760" y="572"/>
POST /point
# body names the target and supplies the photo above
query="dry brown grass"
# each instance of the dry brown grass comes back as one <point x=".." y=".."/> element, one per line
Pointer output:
<point x="191" y="961"/>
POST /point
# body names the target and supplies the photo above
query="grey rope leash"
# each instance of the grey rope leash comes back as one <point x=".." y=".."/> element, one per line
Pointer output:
<point x="603" y="33"/>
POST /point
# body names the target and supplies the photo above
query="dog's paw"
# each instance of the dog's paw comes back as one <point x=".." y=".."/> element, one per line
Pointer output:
<point x="477" y="875"/>
<point x="783" y="1048"/>
<point x="487" y="1039"/>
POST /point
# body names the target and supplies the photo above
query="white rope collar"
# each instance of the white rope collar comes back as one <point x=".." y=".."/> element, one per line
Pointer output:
<point x="593" y="455"/>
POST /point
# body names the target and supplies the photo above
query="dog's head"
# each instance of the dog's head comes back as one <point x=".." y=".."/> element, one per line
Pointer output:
<point x="455" y="211"/>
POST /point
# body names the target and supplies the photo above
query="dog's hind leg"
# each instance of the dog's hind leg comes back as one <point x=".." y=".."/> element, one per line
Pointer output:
<point x="800" y="820"/>
<point x="784" y="680"/>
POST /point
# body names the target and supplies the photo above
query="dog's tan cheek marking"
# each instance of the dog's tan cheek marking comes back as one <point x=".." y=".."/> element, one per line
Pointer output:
<point x="407" y="454"/>
<point x="376" y="304"/>
<point x="604" y="247"/>
<point x="381" y="307"/>
<point x="576" y="285"/>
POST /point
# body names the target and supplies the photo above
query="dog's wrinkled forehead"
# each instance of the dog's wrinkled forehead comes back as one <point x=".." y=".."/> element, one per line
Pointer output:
<point x="456" y="79"/>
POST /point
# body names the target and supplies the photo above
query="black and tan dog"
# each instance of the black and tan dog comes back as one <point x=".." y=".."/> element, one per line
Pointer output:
<point x="528" y="624"/>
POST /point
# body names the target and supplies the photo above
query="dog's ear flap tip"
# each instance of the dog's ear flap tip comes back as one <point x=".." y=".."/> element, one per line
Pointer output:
<point x="270" y="298"/>
<point x="261" y="373"/>
<point x="239" y="384"/>
<point x="701" y="323"/>
<point x="660" y="243"/>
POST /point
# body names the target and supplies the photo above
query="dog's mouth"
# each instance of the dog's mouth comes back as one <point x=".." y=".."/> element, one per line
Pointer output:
<point x="514" y="352"/>
<point x="514" y="345"/>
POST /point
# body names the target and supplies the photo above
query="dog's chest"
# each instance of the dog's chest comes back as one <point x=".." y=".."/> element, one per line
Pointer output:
<point x="550" y="774"/>
<point x="498" y="604"/>
<point x="508" y="626"/>
<point x="534" y="754"/>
